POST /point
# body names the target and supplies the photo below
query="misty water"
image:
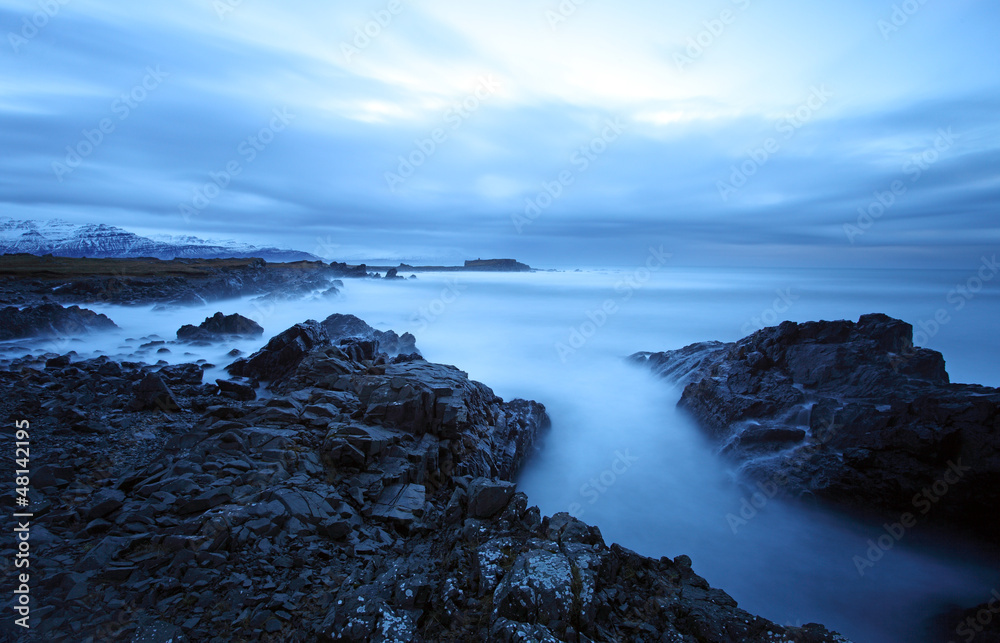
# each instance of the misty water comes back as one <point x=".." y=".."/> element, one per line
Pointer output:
<point x="621" y="457"/>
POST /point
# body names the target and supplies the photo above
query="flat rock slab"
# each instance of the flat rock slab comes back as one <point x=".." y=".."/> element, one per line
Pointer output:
<point x="488" y="497"/>
<point x="401" y="502"/>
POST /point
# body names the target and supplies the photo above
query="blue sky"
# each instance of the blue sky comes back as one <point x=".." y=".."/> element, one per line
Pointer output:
<point x="577" y="133"/>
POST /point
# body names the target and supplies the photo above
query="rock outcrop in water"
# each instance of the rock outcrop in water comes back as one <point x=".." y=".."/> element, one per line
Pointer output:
<point x="50" y="320"/>
<point x="365" y="498"/>
<point x="220" y="326"/>
<point x="340" y="327"/>
<point x="851" y="413"/>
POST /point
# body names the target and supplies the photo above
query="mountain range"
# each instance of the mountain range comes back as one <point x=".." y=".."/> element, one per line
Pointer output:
<point x="65" y="239"/>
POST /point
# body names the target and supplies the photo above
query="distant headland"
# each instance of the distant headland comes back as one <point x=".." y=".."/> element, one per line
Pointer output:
<point x="472" y="265"/>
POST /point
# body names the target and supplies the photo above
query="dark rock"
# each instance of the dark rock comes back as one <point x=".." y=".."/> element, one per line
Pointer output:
<point x="362" y="500"/>
<point x="537" y="589"/>
<point x="239" y="388"/>
<point x="402" y="503"/>
<point x="282" y="353"/>
<point x="854" y="412"/>
<point x="340" y="327"/>
<point x="50" y="320"/>
<point x="220" y="326"/>
<point x="57" y="362"/>
<point x="182" y="374"/>
<point x="488" y="497"/>
<point x="152" y="394"/>
<point x="105" y="502"/>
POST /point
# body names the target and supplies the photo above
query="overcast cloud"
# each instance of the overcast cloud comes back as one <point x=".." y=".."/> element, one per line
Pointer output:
<point x="734" y="132"/>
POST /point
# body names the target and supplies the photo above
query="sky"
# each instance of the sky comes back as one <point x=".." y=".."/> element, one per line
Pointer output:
<point x="581" y="132"/>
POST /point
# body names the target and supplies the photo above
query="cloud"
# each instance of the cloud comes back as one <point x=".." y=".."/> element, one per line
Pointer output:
<point x="555" y="85"/>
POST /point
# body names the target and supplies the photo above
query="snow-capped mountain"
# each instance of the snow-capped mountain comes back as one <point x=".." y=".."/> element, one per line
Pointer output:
<point x="65" y="239"/>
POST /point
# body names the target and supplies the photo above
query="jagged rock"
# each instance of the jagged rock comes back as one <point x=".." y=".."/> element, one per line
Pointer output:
<point x="182" y="374"/>
<point x="488" y="497"/>
<point x="105" y="502"/>
<point x="58" y="362"/>
<point x="282" y="353"/>
<point x="220" y="326"/>
<point x="402" y="503"/>
<point x="102" y="553"/>
<point x="151" y="393"/>
<point x="49" y="320"/>
<point x="537" y="589"/>
<point x="854" y="412"/>
<point x="340" y="327"/>
<point x="239" y="388"/>
<point x="361" y="501"/>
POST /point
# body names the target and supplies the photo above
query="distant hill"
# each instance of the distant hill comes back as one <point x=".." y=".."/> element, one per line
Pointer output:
<point x="64" y="239"/>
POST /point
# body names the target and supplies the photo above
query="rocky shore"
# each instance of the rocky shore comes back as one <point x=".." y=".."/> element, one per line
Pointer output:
<point x="50" y="320"/>
<point x="850" y="413"/>
<point x="28" y="279"/>
<point x="335" y="487"/>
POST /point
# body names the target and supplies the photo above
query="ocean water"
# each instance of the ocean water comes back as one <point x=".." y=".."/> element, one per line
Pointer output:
<point x="621" y="457"/>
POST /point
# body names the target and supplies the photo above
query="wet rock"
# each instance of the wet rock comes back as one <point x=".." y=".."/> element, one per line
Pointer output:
<point x="850" y="412"/>
<point x="238" y="388"/>
<point x="220" y="326"/>
<point x="182" y="374"/>
<point x="282" y="353"/>
<point x="57" y="362"/>
<point x="362" y="500"/>
<point x="50" y="320"/>
<point x="341" y="327"/>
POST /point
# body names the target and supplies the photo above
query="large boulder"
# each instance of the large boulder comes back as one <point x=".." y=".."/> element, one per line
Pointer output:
<point x="348" y="327"/>
<point x="282" y="353"/>
<point x="851" y="412"/>
<point x="487" y="497"/>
